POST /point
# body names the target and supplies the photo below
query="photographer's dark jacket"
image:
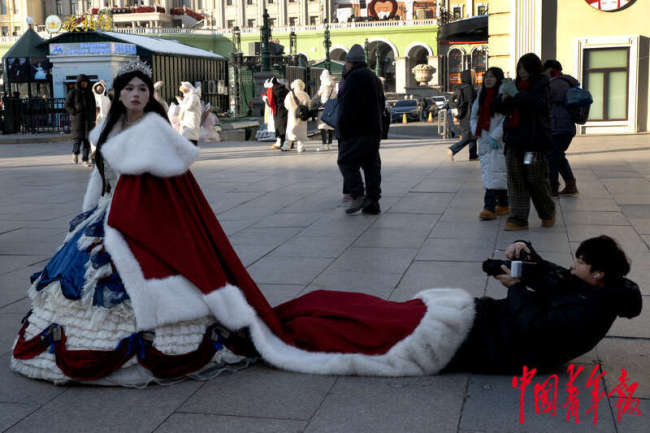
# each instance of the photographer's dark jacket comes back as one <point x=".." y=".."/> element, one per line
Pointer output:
<point x="548" y="319"/>
<point x="360" y="107"/>
<point x="532" y="131"/>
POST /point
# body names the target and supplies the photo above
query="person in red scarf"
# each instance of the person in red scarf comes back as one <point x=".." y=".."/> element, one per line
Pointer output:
<point x="527" y="138"/>
<point x="487" y="126"/>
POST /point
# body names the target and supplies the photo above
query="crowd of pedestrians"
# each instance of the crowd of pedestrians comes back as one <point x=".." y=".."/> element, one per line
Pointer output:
<point x="523" y="128"/>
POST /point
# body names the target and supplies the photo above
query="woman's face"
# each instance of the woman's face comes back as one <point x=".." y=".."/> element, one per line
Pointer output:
<point x="523" y="73"/>
<point x="489" y="80"/>
<point x="135" y="95"/>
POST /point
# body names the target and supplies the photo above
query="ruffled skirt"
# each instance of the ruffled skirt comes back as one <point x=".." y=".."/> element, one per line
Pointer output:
<point x="82" y="326"/>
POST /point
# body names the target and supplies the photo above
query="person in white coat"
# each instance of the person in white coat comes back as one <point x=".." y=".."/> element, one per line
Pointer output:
<point x="328" y="90"/>
<point x="102" y="100"/>
<point x="296" y="128"/>
<point x="487" y="125"/>
<point x="190" y="112"/>
<point x="156" y="94"/>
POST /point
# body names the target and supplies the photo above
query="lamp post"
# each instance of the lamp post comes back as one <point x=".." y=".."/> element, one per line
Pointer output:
<point x="293" y="46"/>
<point x="377" y="62"/>
<point x="327" y="43"/>
<point x="265" y="39"/>
<point x="366" y="52"/>
<point x="236" y="64"/>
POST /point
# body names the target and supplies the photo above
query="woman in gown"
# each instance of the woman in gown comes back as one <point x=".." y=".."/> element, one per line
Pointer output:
<point x="147" y="288"/>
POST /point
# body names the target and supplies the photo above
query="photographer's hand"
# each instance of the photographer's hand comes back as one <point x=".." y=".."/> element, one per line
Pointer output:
<point x="513" y="251"/>
<point x="507" y="279"/>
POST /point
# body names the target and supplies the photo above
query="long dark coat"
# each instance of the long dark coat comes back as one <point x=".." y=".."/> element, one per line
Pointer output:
<point x="361" y="104"/>
<point x="280" y="118"/>
<point x="80" y="103"/>
<point x="559" y="319"/>
<point x="463" y="98"/>
<point x="533" y="133"/>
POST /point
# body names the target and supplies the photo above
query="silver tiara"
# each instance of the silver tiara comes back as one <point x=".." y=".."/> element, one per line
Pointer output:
<point x="135" y="65"/>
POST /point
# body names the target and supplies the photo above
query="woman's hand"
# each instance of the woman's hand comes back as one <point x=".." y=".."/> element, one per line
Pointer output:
<point x="507" y="279"/>
<point x="513" y="251"/>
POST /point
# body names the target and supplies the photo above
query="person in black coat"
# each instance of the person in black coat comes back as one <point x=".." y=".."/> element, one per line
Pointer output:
<point x="280" y="117"/>
<point x="463" y="99"/>
<point x="80" y="103"/>
<point x="552" y="314"/>
<point x="527" y="136"/>
<point x="359" y="130"/>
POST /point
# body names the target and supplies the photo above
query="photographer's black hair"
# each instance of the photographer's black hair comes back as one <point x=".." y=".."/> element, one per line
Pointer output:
<point x="604" y="254"/>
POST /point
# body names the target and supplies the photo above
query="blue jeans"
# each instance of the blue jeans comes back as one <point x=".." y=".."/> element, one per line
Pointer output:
<point x="494" y="197"/>
<point x="471" y="140"/>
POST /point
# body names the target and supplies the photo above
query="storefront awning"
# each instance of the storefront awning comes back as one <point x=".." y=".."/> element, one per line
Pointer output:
<point x="465" y="30"/>
<point x="29" y="45"/>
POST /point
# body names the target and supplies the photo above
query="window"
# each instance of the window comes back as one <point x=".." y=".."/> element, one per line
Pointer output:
<point x="17" y="30"/>
<point x="3" y="7"/>
<point x="228" y="2"/>
<point x="251" y="23"/>
<point x="59" y="7"/>
<point x="250" y="2"/>
<point x="5" y="31"/>
<point x="269" y="1"/>
<point x="272" y="22"/>
<point x="230" y="24"/>
<point x="605" y="75"/>
<point x="313" y="20"/>
<point x="74" y="8"/>
<point x="482" y="10"/>
<point x="457" y="13"/>
<point x="292" y="1"/>
<point x="293" y="21"/>
<point x="16" y="7"/>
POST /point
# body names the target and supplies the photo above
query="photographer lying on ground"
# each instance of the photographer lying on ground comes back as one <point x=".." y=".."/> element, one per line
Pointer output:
<point x="552" y="314"/>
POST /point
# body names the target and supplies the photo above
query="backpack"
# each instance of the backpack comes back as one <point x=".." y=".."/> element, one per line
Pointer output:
<point x="578" y="102"/>
<point x="303" y="112"/>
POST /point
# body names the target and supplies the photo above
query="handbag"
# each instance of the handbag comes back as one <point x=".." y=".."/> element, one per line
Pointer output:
<point x="303" y="112"/>
<point x="330" y="113"/>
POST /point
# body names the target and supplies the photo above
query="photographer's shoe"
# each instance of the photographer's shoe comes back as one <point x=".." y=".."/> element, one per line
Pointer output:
<point x="513" y="226"/>
<point x="487" y="215"/>
<point x="502" y="210"/>
<point x="371" y="208"/>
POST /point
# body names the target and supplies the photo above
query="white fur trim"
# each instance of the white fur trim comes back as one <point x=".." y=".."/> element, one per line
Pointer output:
<point x="150" y="146"/>
<point x="93" y="191"/>
<point x="445" y="325"/>
<point x="156" y="302"/>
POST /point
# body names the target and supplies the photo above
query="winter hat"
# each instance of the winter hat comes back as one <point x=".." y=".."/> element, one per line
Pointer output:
<point x="355" y="54"/>
<point x="186" y="87"/>
<point x="297" y="85"/>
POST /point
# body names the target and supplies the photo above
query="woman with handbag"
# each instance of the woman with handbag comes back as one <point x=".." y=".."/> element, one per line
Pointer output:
<point x="295" y="101"/>
<point x="328" y="90"/>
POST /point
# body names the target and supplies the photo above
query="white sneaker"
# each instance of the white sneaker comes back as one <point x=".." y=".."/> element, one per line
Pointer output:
<point x="285" y="147"/>
<point x="75" y="158"/>
<point x="300" y="147"/>
<point x="277" y="144"/>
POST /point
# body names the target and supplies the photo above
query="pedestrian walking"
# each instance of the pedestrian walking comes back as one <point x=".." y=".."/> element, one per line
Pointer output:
<point x="527" y="136"/>
<point x="328" y="90"/>
<point x="81" y="105"/>
<point x="280" y="114"/>
<point x="359" y="131"/>
<point x="102" y="101"/>
<point x="296" y="127"/>
<point x="190" y="112"/>
<point x="487" y="125"/>
<point x="562" y="129"/>
<point x="463" y="98"/>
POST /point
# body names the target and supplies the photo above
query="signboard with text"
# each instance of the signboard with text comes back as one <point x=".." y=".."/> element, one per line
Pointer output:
<point x="609" y="5"/>
<point x="91" y="48"/>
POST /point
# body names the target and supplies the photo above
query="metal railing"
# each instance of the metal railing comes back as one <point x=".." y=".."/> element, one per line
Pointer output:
<point x="34" y="115"/>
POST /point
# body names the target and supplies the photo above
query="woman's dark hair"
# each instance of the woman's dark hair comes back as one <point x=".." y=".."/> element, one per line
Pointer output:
<point x="604" y="254"/>
<point x="531" y="63"/>
<point x="498" y="74"/>
<point x="118" y="110"/>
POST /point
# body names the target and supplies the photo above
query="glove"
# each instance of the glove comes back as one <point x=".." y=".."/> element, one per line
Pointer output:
<point x="494" y="144"/>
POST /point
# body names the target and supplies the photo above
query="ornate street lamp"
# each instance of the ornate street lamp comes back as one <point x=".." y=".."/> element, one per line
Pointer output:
<point x="327" y="43"/>
<point x="377" y="62"/>
<point x="236" y="65"/>
<point x="265" y="39"/>
<point x="293" y="46"/>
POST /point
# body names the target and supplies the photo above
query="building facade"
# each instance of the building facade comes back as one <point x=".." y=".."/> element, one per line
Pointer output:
<point x="606" y="49"/>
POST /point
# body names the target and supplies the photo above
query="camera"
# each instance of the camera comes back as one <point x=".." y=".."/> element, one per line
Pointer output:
<point x="518" y="269"/>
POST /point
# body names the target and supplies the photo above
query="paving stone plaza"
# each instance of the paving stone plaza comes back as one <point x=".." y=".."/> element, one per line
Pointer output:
<point x="283" y="214"/>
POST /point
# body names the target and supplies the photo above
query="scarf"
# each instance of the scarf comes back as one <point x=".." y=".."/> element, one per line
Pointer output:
<point x="515" y="117"/>
<point x="484" y="112"/>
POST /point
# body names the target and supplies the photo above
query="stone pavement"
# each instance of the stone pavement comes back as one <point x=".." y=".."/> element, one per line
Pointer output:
<point x="283" y="215"/>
